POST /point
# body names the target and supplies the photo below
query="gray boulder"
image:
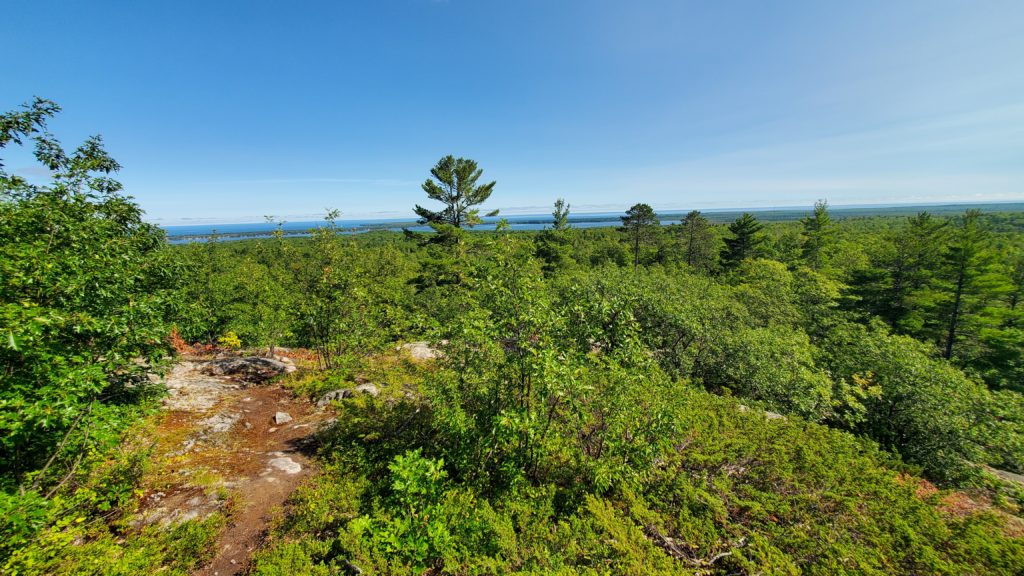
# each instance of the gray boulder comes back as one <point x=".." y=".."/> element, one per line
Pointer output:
<point x="333" y="396"/>
<point x="342" y="393"/>
<point x="251" y="368"/>
<point x="370" y="389"/>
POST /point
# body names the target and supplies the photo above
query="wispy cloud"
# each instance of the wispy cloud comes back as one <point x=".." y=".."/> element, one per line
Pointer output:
<point x="953" y="157"/>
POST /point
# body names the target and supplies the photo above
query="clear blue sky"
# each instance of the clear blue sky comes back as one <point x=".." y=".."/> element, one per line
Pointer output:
<point x="232" y="110"/>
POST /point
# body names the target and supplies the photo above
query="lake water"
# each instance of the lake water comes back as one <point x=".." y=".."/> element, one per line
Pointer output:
<point x="195" y="232"/>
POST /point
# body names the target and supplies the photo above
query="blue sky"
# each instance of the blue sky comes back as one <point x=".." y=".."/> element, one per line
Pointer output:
<point x="228" y="111"/>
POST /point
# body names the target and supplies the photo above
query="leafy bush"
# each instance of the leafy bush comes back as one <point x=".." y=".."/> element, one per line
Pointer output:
<point x="85" y="292"/>
<point x="928" y="411"/>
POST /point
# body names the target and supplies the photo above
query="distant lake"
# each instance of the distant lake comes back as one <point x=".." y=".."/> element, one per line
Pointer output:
<point x="196" y="232"/>
<point x="264" y="229"/>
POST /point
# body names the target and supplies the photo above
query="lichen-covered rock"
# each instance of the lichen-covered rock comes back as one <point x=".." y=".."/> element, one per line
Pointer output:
<point x="333" y="396"/>
<point x="342" y="393"/>
<point x="420" y="351"/>
<point x="219" y="423"/>
<point x="249" y="368"/>
<point x="370" y="389"/>
<point x="190" y="391"/>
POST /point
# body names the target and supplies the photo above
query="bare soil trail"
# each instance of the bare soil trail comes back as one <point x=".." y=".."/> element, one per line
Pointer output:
<point x="225" y="444"/>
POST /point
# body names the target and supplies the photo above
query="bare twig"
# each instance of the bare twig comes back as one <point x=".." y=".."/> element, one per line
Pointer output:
<point x="78" y="461"/>
<point x="60" y="448"/>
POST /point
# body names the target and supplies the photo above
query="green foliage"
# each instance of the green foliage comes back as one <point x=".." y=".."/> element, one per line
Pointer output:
<point x="586" y="415"/>
<point x="950" y="283"/>
<point x="928" y="411"/>
<point x="425" y="525"/>
<point x="904" y="264"/>
<point x="455" y="186"/>
<point x="699" y="242"/>
<point x="85" y="291"/>
<point x="818" y="231"/>
<point x="775" y="365"/>
<point x="968" y="281"/>
<point x="553" y="245"/>
<point x="640" y="225"/>
<point x="261" y="304"/>
<point x="354" y="299"/>
<point x="745" y="241"/>
<point x="327" y="293"/>
<point x="561" y="433"/>
<point x="82" y="548"/>
<point x="725" y="491"/>
<point x="290" y="558"/>
<point x="86" y="530"/>
<point x="568" y="426"/>
<point x="560" y="216"/>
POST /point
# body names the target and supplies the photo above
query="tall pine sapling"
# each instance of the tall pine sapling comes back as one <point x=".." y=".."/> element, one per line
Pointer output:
<point x="553" y="243"/>
<point x="818" y="233"/>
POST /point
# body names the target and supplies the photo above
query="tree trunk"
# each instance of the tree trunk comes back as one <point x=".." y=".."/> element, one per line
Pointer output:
<point x="636" y="251"/>
<point x="689" y="248"/>
<point x="954" y="316"/>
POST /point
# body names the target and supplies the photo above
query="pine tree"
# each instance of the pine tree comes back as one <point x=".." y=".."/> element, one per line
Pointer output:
<point x="454" y="184"/>
<point x="553" y="243"/>
<point x="1016" y="294"/>
<point x="560" y="216"/>
<point x="745" y="242"/>
<point x="640" y="225"/>
<point x="818" y="232"/>
<point x="969" y="281"/>
<point x="901" y="272"/>
<point x="1002" y="361"/>
<point x="916" y="257"/>
<point x="699" y="241"/>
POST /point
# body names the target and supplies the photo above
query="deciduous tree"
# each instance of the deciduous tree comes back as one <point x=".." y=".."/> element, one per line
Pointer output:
<point x="84" y="296"/>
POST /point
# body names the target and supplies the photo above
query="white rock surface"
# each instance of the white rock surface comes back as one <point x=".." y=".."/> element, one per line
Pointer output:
<point x="285" y="464"/>
<point x="420" y="351"/>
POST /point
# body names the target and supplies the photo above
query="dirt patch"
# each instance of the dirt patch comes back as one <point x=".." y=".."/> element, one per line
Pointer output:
<point x="218" y="449"/>
<point x="959" y="504"/>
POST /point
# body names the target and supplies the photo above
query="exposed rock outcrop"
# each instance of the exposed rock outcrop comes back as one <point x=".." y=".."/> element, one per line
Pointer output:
<point x="420" y="350"/>
<point x="249" y="368"/>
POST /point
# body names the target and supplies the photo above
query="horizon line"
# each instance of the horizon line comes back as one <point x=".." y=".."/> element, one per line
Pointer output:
<point x="589" y="209"/>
